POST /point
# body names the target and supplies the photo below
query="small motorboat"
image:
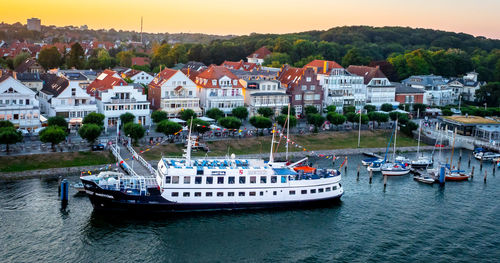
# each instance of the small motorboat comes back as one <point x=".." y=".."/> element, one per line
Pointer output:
<point x="422" y="162"/>
<point x="375" y="166"/>
<point x="369" y="161"/>
<point x="79" y="187"/>
<point x="486" y="156"/>
<point x="457" y="175"/>
<point x="395" y="169"/>
<point x="426" y="179"/>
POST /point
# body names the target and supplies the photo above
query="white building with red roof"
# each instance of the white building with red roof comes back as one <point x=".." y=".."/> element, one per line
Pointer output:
<point x="219" y="88"/>
<point x="172" y="91"/>
<point x="115" y="97"/>
<point x="379" y="89"/>
<point x="137" y="76"/>
<point x="259" y="56"/>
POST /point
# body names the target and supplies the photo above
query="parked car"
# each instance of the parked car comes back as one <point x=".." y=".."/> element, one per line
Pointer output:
<point x="98" y="147"/>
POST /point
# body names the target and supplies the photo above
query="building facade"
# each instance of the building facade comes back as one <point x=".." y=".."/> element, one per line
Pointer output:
<point x="344" y="89"/>
<point x="18" y="104"/>
<point x="408" y="95"/>
<point x="303" y="88"/>
<point x="436" y="90"/>
<point x="379" y="89"/>
<point x="172" y="91"/>
<point x="138" y="76"/>
<point x="259" y="56"/>
<point x="264" y="93"/>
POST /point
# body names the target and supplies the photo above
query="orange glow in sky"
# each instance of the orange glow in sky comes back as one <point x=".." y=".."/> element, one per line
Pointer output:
<point x="261" y="16"/>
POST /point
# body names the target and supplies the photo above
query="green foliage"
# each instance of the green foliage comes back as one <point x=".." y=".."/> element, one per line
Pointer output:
<point x="58" y="121"/>
<point x="5" y="124"/>
<point x="76" y="57"/>
<point x="355" y="57"/>
<point x="331" y="108"/>
<point x="315" y="119"/>
<point x="351" y="116"/>
<point x="95" y="118"/>
<point x="447" y="112"/>
<point x="90" y="132"/>
<point x="20" y="58"/>
<point x="240" y="112"/>
<point x="281" y="119"/>
<point x="158" y="116"/>
<point x="9" y="135"/>
<point x="49" y="58"/>
<point x="186" y="114"/>
<point x="261" y="122"/>
<point x="266" y="112"/>
<point x="52" y="134"/>
<point x="127" y="117"/>
<point x="284" y="110"/>
<point x="199" y="125"/>
<point x="125" y="58"/>
<point x="378" y="117"/>
<point x="386" y="107"/>
<point x="405" y="107"/>
<point x="348" y="109"/>
<point x="370" y="108"/>
<point x="364" y="118"/>
<point x="215" y="113"/>
<point x="230" y="122"/>
<point x="419" y="107"/>
<point x="310" y="110"/>
<point x="335" y="118"/>
<point x="105" y="60"/>
<point x="408" y="128"/>
<point x="144" y="68"/>
<point x="490" y="94"/>
<point x="134" y="130"/>
<point x="168" y="127"/>
<point x="393" y="115"/>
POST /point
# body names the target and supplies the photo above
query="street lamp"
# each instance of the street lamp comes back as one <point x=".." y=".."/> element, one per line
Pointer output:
<point x="459" y="101"/>
<point x="359" y="127"/>
<point x="485" y="105"/>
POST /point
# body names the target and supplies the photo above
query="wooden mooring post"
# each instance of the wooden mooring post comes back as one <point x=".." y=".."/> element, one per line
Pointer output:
<point x="385" y="181"/>
<point x="472" y="173"/>
<point x="481" y="164"/>
<point x="371" y="176"/>
<point x="485" y="175"/>
<point x="357" y="176"/>
<point x="470" y="156"/>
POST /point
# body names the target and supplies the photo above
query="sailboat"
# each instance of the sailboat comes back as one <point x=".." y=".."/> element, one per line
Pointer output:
<point x="397" y="167"/>
<point x="376" y="165"/>
<point x="422" y="162"/>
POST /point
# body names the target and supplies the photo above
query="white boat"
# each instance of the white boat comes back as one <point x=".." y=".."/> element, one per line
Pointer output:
<point x="421" y="161"/>
<point x="368" y="161"/>
<point x="394" y="169"/>
<point x="487" y="156"/>
<point x="186" y="184"/>
<point x="426" y="179"/>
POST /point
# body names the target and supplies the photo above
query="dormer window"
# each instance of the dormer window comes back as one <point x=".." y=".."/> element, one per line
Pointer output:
<point x="214" y="82"/>
<point x="235" y="82"/>
<point x="308" y="79"/>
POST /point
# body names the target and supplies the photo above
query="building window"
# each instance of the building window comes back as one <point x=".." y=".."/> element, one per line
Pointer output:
<point x="208" y="194"/>
<point x="334" y="188"/>
<point x="253" y="179"/>
<point x="298" y="97"/>
<point x="292" y="192"/>
<point x="175" y="194"/>
<point x="187" y="179"/>
<point x="242" y="179"/>
<point x="304" y="87"/>
<point x="168" y="179"/>
<point x="261" y="193"/>
<point x="308" y="79"/>
<point x="317" y="96"/>
<point x="241" y="194"/>
<point x="274" y="179"/>
<point x="197" y="180"/>
<point x="220" y="194"/>
<point x="197" y="194"/>
<point x="303" y="192"/>
<point x="313" y="87"/>
<point x="175" y="179"/>
<point x="220" y="180"/>
<point x="185" y="194"/>
<point x="210" y="180"/>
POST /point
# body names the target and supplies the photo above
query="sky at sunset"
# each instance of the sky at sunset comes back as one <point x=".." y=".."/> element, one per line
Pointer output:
<point x="262" y="16"/>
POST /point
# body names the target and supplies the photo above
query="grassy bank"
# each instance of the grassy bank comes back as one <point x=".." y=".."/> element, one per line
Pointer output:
<point x="53" y="160"/>
<point x="321" y="141"/>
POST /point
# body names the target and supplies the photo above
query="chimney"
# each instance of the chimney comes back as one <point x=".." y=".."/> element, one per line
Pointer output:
<point x="325" y="66"/>
<point x="14" y="74"/>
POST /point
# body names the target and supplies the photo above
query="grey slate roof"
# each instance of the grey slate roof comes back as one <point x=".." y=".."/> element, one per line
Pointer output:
<point x="425" y="80"/>
<point x="403" y="89"/>
<point x="28" y="77"/>
<point x="53" y="84"/>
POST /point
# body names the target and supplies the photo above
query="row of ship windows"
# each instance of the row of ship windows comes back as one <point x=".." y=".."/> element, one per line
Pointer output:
<point x="222" y="180"/>
<point x="261" y="193"/>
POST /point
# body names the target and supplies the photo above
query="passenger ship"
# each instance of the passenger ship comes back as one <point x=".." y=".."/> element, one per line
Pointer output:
<point x="214" y="184"/>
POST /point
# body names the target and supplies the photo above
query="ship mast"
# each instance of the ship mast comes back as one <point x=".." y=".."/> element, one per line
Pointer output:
<point x="271" y="156"/>
<point x="287" y="132"/>
<point x="188" y="150"/>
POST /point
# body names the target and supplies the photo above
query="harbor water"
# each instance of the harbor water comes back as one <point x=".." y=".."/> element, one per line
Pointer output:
<point x="405" y="222"/>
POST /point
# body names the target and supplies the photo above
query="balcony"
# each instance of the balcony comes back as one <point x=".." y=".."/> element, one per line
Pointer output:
<point x="116" y="100"/>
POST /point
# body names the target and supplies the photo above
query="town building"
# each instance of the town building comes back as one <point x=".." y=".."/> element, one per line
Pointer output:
<point x="465" y="88"/>
<point x="18" y="104"/>
<point x="140" y="61"/>
<point x="194" y="65"/>
<point x="138" y="76"/>
<point x="379" y="89"/>
<point x="34" y="24"/>
<point x="408" y="95"/>
<point x="259" y="56"/>
<point x="240" y="65"/>
<point x="29" y="65"/>
<point x="437" y="93"/>
<point x="172" y="91"/>
<point x="62" y="97"/>
<point x="303" y="88"/>
<point x="115" y="97"/>
<point x="260" y="93"/>
<point x="219" y="88"/>
<point x="343" y="89"/>
<point x="30" y="80"/>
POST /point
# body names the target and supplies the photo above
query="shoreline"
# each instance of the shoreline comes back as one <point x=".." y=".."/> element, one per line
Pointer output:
<point x="77" y="170"/>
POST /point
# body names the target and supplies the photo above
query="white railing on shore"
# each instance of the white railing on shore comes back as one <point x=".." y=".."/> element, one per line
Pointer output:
<point x="460" y="140"/>
<point x="141" y="160"/>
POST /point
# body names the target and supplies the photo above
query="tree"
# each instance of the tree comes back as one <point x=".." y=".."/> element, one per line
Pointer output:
<point x="240" y="112"/>
<point x="351" y="117"/>
<point x="95" y="118"/>
<point x="186" y="114"/>
<point x="266" y="112"/>
<point x="125" y="58"/>
<point x="447" y="112"/>
<point x="348" y="109"/>
<point x="215" y="113"/>
<point x="230" y="122"/>
<point x="9" y="135"/>
<point x="52" y="134"/>
<point x="76" y="56"/>
<point x="378" y="117"/>
<point x="158" y="116"/>
<point x="49" y="58"/>
<point x="386" y="107"/>
<point x="58" y="121"/>
<point x="490" y="94"/>
<point x="354" y="57"/>
<point x="168" y="127"/>
<point x="331" y="108"/>
<point x="281" y="119"/>
<point x="134" y="130"/>
<point x="315" y="119"/>
<point x="199" y="126"/>
<point x="310" y="110"/>
<point x="5" y="124"/>
<point x="370" y="108"/>
<point x="260" y="122"/>
<point x="104" y="59"/>
<point x="409" y="127"/>
<point x="335" y="118"/>
<point x="364" y="118"/>
<point x="20" y="58"/>
<point x="90" y="132"/>
<point x="419" y="107"/>
<point x="127" y="117"/>
<point x="284" y="110"/>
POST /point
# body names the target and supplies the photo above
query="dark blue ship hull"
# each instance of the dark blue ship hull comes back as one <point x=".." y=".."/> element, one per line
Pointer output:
<point x="116" y="201"/>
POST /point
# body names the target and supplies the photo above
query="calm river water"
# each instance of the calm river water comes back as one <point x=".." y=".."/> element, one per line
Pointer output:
<point x="408" y="222"/>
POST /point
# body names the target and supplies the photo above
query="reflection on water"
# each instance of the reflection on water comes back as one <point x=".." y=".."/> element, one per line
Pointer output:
<point x="407" y="221"/>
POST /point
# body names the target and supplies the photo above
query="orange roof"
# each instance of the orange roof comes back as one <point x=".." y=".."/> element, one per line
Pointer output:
<point x="241" y="65"/>
<point x="205" y="78"/>
<point x="319" y="64"/>
<point x="262" y="53"/>
<point x="140" y="61"/>
<point x="162" y="77"/>
<point x="104" y="81"/>
<point x="367" y="72"/>
<point x="131" y="73"/>
<point x="290" y="75"/>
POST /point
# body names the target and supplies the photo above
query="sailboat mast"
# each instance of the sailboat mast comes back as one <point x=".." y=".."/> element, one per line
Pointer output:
<point x="453" y="148"/>
<point x="395" y="137"/>
<point x="271" y="156"/>
<point x="287" y="131"/>
<point x="419" y="131"/>
<point x="188" y="151"/>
